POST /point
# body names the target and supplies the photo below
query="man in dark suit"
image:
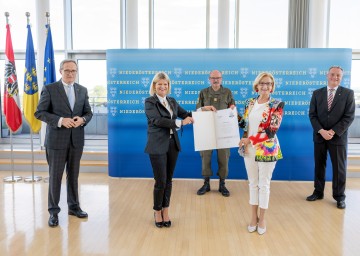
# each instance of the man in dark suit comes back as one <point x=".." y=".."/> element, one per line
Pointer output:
<point x="332" y="110"/>
<point x="64" y="106"/>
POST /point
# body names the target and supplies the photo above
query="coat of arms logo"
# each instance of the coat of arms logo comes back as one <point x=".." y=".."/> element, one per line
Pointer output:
<point x="178" y="72"/>
<point x="113" y="111"/>
<point x="145" y="81"/>
<point x="243" y="92"/>
<point x="177" y="92"/>
<point x="244" y="72"/>
<point x="113" y="72"/>
<point x="310" y="91"/>
<point x="312" y="72"/>
<point x="113" y="91"/>
<point x="278" y="82"/>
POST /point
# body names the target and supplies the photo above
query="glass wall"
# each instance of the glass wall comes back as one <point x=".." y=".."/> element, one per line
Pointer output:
<point x="343" y="27"/>
<point x="96" y="25"/>
<point x="344" y="24"/>
<point x="92" y="75"/>
<point x="143" y="23"/>
<point x="18" y="22"/>
<point x="355" y="80"/>
<point x="263" y="23"/>
<point x="180" y="24"/>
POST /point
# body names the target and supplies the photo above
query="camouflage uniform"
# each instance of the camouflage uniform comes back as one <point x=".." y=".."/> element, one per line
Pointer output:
<point x="220" y="99"/>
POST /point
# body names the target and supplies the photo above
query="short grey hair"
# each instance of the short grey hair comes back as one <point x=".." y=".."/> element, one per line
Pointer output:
<point x="67" y="61"/>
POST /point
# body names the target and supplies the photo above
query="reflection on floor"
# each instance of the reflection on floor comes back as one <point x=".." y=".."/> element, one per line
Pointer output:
<point x="121" y="220"/>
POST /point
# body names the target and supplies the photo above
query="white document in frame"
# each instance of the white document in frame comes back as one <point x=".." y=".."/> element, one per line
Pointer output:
<point x="215" y="130"/>
<point x="204" y="130"/>
<point x="227" y="128"/>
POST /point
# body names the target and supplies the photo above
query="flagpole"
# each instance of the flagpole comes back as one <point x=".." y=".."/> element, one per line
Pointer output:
<point x="31" y="178"/>
<point x="47" y="14"/>
<point x="49" y="78"/>
<point x="7" y="14"/>
<point x="11" y="178"/>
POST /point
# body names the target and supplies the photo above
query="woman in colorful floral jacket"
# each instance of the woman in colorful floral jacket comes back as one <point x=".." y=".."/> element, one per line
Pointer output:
<point x="260" y="146"/>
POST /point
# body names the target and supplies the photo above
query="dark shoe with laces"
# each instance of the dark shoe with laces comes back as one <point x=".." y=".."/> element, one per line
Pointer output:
<point x="53" y="220"/>
<point x="78" y="213"/>
<point x="205" y="188"/>
<point x="222" y="189"/>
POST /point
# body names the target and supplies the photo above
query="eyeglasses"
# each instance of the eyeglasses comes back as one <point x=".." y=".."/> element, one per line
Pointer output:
<point x="68" y="72"/>
<point x="267" y="84"/>
<point x="215" y="78"/>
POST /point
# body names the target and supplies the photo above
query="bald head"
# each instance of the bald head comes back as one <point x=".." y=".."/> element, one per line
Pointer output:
<point x="215" y="79"/>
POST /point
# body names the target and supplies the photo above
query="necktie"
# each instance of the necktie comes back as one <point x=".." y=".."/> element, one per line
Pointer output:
<point x="71" y="96"/>
<point x="330" y="98"/>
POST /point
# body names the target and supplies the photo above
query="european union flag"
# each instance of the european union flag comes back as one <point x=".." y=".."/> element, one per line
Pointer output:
<point x="49" y="60"/>
<point x="31" y="96"/>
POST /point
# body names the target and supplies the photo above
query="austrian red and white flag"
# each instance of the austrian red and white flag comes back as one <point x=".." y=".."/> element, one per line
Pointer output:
<point x="12" y="109"/>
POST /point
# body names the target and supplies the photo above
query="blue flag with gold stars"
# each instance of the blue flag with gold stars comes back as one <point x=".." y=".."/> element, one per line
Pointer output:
<point x="49" y="60"/>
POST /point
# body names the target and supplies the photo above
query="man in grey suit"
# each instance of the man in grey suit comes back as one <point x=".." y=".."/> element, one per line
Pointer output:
<point x="332" y="110"/>
<point x="64" y="106"/>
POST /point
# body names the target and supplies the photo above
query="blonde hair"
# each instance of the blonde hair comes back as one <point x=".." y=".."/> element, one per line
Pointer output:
<point x="159" y="76"/>
<point x="261" y="76"/>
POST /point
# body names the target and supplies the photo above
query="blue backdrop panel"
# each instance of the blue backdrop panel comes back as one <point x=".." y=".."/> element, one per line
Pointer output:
<point x="298" y="72"/>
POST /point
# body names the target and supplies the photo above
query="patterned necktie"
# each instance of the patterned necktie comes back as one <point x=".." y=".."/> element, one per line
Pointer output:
<point x="330" y="98"/>
<point x="71" y="96"/>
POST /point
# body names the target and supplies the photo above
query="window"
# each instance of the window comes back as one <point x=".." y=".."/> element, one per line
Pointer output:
<point x="179" y="24"/>
<point x="213" y="38"/>
<point x="96" y="25"/>
<point x="18" y="22"/>
<point x="355" y="80"/>
<point x="263" y="24"/>
<point x="344" y="24"/>
<point x="57" y="24"/>
<point x="92" y="74"/>
<point x="143" y="23"/>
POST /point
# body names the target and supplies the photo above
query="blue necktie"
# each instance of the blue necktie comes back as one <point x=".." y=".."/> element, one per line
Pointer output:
<point x="71" y="96"/>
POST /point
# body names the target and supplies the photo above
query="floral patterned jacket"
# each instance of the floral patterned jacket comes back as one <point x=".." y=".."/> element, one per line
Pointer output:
<point x="265" y="141"/>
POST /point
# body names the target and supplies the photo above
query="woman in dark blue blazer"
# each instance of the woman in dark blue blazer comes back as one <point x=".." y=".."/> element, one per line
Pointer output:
<point x="163" y="143"/>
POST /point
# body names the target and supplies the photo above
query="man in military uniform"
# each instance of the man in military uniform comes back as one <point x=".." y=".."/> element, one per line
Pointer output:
<point x="213" y="98"/>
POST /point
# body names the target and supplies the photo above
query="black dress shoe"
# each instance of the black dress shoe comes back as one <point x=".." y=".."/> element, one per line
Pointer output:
<point x="167" y="224"/>
<point x="158" y="224"/>
<point x="341" y="204"/>
<point x="53" y="220"/>
<point x="314" y="197"/>
<point x="78" y="213"/>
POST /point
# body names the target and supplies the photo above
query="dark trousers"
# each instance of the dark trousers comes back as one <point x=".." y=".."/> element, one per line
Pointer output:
<point x="338" y="161"/>
<point x="163" y="168"/>
<point x="59" y="160"/>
